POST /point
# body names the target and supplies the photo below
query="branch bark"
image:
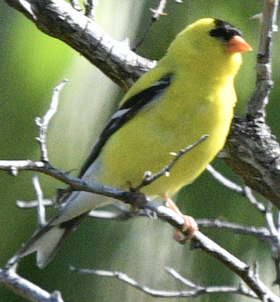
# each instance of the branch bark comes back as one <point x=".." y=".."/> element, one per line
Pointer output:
<point x="251" y="149"/>
<point x="58" y="19"/>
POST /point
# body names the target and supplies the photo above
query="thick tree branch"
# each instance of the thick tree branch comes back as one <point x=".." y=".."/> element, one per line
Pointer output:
<point x="58" y="19"/>
<point x="251" y="149"/>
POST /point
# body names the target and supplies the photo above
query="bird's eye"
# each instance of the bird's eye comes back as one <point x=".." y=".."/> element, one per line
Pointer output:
<point x="224" y="31"/>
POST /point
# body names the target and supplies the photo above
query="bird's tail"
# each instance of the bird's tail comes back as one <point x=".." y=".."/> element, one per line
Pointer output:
<point x="47" y="240"/>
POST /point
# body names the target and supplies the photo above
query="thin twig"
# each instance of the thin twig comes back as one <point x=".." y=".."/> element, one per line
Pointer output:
<point x="180" y="278"/>
<point x="75" y="5"/>
<point x="253" y="201"/>
<point x="149" y="178"/>
<point x="270" y="222"/>
<point x="229" y="184"/>
<point x="43" y="123"/>
<point x="194" y="292"/>
<point x="40" y="208"/>
<point x="245" y="192"/>
<point x="211" y="289"/>
<point x="90" y="6"/>
<point x="262" y="233"/>
<point x="159" y="11"/>
<point x="26" y="205"/>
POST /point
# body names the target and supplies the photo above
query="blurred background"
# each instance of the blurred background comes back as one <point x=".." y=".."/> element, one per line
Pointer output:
<point x="31" y="65"/>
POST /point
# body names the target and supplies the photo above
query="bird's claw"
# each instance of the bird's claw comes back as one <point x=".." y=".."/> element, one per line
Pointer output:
<point x="187" y="232"/>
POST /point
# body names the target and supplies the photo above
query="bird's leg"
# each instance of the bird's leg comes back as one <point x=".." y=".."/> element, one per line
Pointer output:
<point x="189" y="227"/>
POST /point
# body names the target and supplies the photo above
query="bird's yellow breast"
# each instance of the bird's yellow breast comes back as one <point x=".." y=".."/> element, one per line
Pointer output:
<point x="167" y="126"/>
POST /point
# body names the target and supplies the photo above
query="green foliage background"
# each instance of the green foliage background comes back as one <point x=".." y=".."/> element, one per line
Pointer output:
<point x="31" y="64"/>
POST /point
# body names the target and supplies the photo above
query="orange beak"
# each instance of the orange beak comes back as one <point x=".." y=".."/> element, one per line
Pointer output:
<point x="237" y="44"/>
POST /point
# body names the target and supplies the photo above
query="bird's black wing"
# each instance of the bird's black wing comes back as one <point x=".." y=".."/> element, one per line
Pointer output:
<point x="124" y="114"/>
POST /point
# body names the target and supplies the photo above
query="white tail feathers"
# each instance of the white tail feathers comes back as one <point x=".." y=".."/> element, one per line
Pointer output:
<point x="50" y="243"/>
<point x="45" y="243"/>
<point x="47" y="239"/>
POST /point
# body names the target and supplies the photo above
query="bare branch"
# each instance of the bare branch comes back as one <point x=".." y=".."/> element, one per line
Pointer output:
<point x="159" y="11"/>
<point x="149" y="178"/>
<point x="259" y="100"/>
<point x="26" y="289"/>
<point x="251" y="150"/>
<point x="16" y="165"/>
<point x="40" y="208"/>
<point x="211" y="289"/>
<point x="194" y="292"/>
<point x="225" y="181"/>
<point x="75" y="182"/>
<point x="43" y="123"/>
<point x="58" y="19"/>
<point x="261" y="233"/>
<point x="245" y="192"/>
<point x="234" y="264"/>
<point x="253" y="201"/>
<point x="33" y="204"/>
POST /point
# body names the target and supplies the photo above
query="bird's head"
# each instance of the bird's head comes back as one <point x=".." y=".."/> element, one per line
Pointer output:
<point x="209" y="40"/>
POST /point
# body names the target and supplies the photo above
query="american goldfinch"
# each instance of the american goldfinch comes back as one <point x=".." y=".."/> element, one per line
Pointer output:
<point x="188" y="94"/>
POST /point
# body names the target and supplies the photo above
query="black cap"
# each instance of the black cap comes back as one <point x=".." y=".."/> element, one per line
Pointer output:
<point x="224" y="31"/>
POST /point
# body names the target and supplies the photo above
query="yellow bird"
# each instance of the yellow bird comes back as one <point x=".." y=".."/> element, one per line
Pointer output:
<point x="188" y="94"/>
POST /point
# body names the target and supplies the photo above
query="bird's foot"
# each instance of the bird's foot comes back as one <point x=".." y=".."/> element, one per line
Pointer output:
<point x="189" y="226"/>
